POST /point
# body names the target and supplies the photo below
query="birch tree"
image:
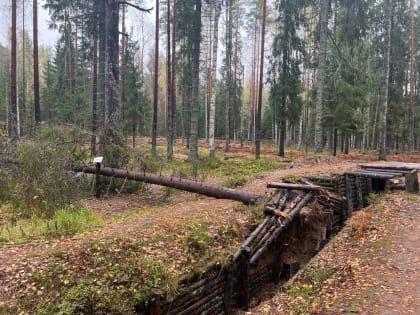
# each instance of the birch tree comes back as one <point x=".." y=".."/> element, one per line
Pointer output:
<point x="212" y="79"/>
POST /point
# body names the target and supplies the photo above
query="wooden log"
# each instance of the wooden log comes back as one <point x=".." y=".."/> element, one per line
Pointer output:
<point x="243" y="279"/>
<point x="359" y="192"/>
<point x="199" y="304"/>
<point x="291" y="215"/>
<point x="384" y="170"/>
<point x="227" y="298"/>
<point x="412" y="182"/>
<point x="374" y="175"/>
<point x="282" y="202"/>
<point x="349" y="195"/>
<point x="177" y="183"/>
<point x="155" y="302"/>
<point x="293" y="186"/>
<point x="252" y="237"/>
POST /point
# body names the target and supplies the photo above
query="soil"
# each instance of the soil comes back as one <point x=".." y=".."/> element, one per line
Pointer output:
<point x="393" y="292"/>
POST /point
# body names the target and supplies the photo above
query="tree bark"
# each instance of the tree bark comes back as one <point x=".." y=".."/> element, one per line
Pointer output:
<point x="196" y="40"/>
<point x="156" y="82"/>
<point x="169" y="121"/>
<point x="113" y="115"/>
<point x="323" y="20"/>
<point x="177" y="183"/>
<point x="411" y="96"/>
<point x="212" y="114"/>
<point x="37" y="107"/>
<point x="173" y="107"/>
<point x="23" y="104"/>
<point x="123" y="64"/>
<point x="385" y="100"/>
<point x="101" y="60"/>
<point x="13" y="128"/>
<point x="228" y="72"/>
<point x="94" y="94"/>
<point x="261" y="83"/>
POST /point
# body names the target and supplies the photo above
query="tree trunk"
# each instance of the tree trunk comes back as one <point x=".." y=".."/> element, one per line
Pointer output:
<point x="23" y="104"/>
<point x="411" y="96"/>
<point x="213" y="78"/>
<point x="323" y="20"/>
<point x="123" y="64"/>
<point x="94" y="95"/>
<point x="173" y="107"/>
<point x="382" y="137"/>
<point x="37" y="107"/>
<point x="177" y="183"/>
<point x="156" y="82"/>
<point x="112" y="117"/>
<point x="101" y="61"/>
<point x="261" y="83"/>
<point x="69" y="55"/>
<point x="228" y="72"/>
<point x="13" y="130"/>
<point x="169" y="121"/>
<point x="196" y="40"/>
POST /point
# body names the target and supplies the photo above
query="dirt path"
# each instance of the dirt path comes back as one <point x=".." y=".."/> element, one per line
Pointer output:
<point x="371" y="267"/>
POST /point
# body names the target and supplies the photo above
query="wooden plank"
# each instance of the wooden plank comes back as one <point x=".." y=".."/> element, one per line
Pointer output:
<point x="392" y="165"/>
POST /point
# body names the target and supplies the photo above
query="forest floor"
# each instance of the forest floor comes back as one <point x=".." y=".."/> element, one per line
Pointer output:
<point x="372" y="266"/>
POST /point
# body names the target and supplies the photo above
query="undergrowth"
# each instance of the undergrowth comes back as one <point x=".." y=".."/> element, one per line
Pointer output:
<point x="113" y="276"/>
<point x="66" y="221"/>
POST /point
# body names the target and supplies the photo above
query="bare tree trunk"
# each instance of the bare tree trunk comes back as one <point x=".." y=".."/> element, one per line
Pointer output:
<point x="94" y="95"/>
<point x="323" y="20"/>
<point x="178" y="183"/>
<point x="196" y="40"/>
<point x="212" y="115"/>
<point x="228" y="72"/>
<point x="411" y="96"/>
<point x="101" y="61"/>
<point x="69" y="54"/>
<point x="156" y="82"/>
<point x="76" y="57"/>
<point x="123" y="64"/>
<point x="113" y="115"/>
<point x="23" y="104"/>
<point x="169" y="121"/>
<point x="261" y="83"/>
<point x="37" y="107"/>
<point x="13" y="130"/>
<point x="385" y="100"/>
<point x="173" y="107"/>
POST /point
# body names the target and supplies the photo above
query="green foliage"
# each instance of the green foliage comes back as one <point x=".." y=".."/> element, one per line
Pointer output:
<point x="66" y="221"/>
<point x="113" y="148"/>
<point x="234" y="182"/>
<point x="38" y="181"/>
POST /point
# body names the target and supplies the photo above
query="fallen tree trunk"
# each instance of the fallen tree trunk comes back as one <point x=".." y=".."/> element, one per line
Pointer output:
<point x="294" y="186"/>
<point x="177" y="183"/>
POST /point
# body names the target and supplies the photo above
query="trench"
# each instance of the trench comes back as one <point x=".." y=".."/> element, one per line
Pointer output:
<point x="299" y="220"/>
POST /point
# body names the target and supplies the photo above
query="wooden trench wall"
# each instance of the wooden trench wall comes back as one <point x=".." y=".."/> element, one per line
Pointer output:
<point x="296" y="226"/>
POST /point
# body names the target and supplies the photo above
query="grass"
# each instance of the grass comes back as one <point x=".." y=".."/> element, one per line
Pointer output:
<point x="112" y="276"/>
<point x="66" y="221"/>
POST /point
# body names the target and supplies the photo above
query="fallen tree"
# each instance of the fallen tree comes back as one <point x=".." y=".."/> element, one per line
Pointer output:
<point x="175" y="182"/>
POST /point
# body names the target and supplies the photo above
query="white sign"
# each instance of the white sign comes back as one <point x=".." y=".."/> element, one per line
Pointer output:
<point x="98" y="159"/>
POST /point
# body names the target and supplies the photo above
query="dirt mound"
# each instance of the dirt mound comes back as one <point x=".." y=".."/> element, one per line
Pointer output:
<point x="308" y="161"/>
